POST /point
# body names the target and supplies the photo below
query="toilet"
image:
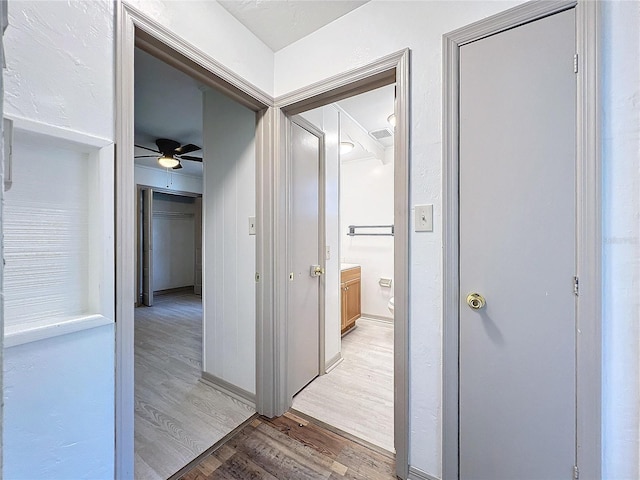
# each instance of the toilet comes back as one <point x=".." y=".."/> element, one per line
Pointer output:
<point x="390" y="305"/>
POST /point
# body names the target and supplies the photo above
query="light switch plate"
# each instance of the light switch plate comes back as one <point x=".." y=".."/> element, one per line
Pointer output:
<point x="252" y="225"/>
<point x="424" y="218"/>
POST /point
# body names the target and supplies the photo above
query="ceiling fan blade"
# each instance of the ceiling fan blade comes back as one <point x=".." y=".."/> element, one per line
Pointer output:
<point x="190" y="147"/>
<point x="146" y="148"/>
<point x="177" y="167"/>
<point x="167" y="146"/>
<point x="189" y="157"/>
<point x="146" y="156"/>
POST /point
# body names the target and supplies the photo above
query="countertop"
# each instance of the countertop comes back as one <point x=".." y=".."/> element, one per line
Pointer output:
<point x="347" y="266"/>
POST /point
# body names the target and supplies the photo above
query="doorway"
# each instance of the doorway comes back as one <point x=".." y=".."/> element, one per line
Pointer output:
<point x="185" y="399"/>
<point x="353" y="391"/>
<point x="387" y="71"/>
<point x="244" y="109"/>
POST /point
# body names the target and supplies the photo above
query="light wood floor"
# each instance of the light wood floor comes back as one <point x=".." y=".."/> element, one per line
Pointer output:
<point x="357" y="396"/>
<point x="176" y="416"/>
<point x="290" y="448"/>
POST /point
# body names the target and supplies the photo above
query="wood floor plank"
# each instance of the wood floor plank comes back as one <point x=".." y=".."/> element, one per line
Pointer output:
<point x="321" y="440"/>
<point x="282" y="449"/>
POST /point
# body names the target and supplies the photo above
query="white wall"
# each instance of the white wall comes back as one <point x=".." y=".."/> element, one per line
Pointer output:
<point x="173" y="241"/>
<point x="59" y="392"/>
<point x="58" y="412"/>
<point x="159" y="178"/>
<point x="366" y="198"/>
<point x="379" y="28"/>
<point x="229" y="255"/>
<point x="327" y="119"/>
<point x="621" y="230"/>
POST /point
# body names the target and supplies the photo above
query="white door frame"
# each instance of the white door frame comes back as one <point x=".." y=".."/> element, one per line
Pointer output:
<point x="134" y="28"/>
<point x="588" y="230"/>
<point x="393" y="68"/>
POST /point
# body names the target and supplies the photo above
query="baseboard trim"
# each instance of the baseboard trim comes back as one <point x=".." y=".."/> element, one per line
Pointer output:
<point x="417" y="474"/>
<point x="185" y="289"/>
<point x="379" y="318"/>
<point x="334" y="362"/>
<point x="230" y="389"/>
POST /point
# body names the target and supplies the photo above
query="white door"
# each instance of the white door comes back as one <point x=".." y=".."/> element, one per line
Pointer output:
<point x="517" y="411"/>
<point x="304" y="252"/>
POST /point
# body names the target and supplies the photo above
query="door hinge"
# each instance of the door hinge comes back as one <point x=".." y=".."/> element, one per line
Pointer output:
<point x="257" y="277"/>
<point x="576" y="472"/>
<point x="575" y="63"/>
<point x="576" y="286"/>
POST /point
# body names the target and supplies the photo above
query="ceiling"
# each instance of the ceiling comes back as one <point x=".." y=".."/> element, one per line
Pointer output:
<point x="168" y="104"/>
<point x="372" y="109"/>
<point x="279" y="23"/>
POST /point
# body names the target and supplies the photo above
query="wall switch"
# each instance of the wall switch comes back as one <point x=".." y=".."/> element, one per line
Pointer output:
<point x="328" y="253"/>
<point x="424" y="218"/>
<point x="252" y="225"/>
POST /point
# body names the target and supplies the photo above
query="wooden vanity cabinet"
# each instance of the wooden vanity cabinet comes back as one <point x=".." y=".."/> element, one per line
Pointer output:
<point x="350" y="281"/>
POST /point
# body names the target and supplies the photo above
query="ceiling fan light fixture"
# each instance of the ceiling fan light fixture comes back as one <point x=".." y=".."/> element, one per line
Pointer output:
<point x="346" y="147"/>
<point x="167" y="162"/>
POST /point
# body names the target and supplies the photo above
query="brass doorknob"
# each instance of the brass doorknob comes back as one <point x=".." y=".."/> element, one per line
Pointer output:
<point x="476" y="301"/>
<point x="316" y="271"/>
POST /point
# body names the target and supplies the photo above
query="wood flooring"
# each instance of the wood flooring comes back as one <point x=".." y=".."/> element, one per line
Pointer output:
<point x="357" y="395"/>
<point x="291" y="448"/>
<point x="177" y="417"/>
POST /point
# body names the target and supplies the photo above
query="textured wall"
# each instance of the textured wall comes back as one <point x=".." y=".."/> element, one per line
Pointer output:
<point x="59" y="392"/>
<point x="59" y="410"/>
<point x="621" y="237"/>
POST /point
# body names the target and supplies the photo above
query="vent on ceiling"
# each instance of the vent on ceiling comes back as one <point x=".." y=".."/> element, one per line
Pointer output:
<point x="381" y="134"/>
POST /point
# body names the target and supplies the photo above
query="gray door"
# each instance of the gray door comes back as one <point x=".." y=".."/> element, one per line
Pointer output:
<point x="304" y="241"/>
<point x="517" y="411"/>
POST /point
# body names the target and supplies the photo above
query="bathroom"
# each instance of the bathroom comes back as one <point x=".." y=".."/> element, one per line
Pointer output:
<point x="354" y="393"/>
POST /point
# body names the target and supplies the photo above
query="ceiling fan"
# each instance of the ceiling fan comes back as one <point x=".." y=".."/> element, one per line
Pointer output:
<point x="172" y="153"/>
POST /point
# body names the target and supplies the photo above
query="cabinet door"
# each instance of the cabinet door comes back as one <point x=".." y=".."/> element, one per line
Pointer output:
<point x="343" y="306"/>
<point x="352" y="294"/>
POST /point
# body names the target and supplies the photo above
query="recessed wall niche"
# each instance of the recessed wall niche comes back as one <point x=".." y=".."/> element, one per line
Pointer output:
<point x="58" y="233"/>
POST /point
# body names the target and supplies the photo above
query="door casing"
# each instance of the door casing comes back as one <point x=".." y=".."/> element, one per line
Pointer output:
<point x="588" y="221"/>
<point x="393" y="68"/>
